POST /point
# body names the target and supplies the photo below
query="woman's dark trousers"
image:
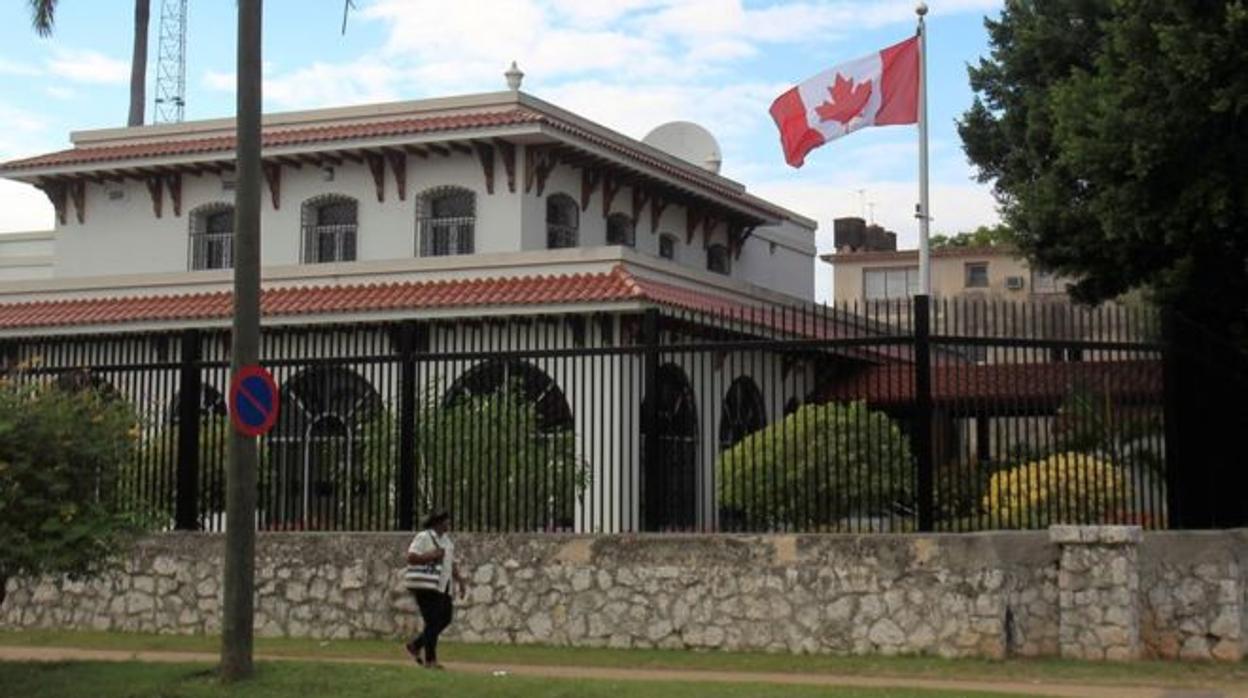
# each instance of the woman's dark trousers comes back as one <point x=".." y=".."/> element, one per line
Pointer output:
<point x="436" y="610"/>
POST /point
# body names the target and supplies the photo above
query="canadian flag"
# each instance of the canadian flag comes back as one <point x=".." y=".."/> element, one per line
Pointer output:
<point x="881" y="89"/>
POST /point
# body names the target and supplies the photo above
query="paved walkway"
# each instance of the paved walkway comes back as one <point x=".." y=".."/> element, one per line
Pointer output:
<point x="1029" y="688"/>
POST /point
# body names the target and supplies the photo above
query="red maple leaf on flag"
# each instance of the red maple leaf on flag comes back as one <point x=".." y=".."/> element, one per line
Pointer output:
<point x="847" y="100"/>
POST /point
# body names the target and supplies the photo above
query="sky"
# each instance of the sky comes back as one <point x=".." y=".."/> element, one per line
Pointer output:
<point x="627" y="64"/>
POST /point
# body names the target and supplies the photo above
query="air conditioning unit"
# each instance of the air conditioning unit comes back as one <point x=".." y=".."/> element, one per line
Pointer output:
<point x="1014" y="283"/>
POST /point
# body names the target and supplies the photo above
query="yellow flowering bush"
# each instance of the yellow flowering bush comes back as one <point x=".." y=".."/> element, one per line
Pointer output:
<point x="1063" y="488"/>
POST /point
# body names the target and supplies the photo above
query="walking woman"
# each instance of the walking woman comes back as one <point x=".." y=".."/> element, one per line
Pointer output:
<point x="431" y="567"/>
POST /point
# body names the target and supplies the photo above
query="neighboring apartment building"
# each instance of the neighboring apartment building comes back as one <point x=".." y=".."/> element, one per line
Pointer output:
<point x="492" y="213"/>
<point x="867" y="266"/>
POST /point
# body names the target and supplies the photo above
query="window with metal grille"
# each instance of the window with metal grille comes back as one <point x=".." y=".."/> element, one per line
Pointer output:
<point x="562" y="222"/>
<point x="212" y="237"/>
<point x="667" y="246"/>
<point x="446" y="222"/>
<point x="718" y="259"/>
<point x="977" y="275"/>
<point x="329" y="229"/>
<point x="620" y="230"/>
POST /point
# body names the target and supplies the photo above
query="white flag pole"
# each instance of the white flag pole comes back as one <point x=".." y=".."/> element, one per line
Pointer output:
<point x="923" y="213"/>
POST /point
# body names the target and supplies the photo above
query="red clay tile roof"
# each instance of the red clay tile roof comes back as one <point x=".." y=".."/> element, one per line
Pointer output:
<point x="282" y="137"/>
<point x="379" y="129"/>
<point x="1038" y="386"/>
<point x="617" y="285"/>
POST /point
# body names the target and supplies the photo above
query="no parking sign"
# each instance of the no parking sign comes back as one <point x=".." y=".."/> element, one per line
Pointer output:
<point x="253" y="401"/>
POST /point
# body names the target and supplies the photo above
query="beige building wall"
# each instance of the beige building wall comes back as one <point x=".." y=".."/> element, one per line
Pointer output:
<point x="1008" y="276"/>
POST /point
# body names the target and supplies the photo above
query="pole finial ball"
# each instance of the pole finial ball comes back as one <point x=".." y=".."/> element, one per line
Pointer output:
<point x="921" y="8"/>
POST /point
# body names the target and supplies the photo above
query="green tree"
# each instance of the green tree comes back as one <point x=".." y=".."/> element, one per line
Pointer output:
<point x="1115" y="133"/>
<point x="817" y="466"/>
<point x="488" y="460"/>
<point x="62" y="450"/>
<point x="43" y="18"/>
<point x="983" y="236"/>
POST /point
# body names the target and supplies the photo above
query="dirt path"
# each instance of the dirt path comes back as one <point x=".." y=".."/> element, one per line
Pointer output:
<point x="1032" y="688"/>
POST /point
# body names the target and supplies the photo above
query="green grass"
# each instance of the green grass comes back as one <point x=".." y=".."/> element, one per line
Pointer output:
<point x="1178" y="674"/>
<point x="310" y="680"/>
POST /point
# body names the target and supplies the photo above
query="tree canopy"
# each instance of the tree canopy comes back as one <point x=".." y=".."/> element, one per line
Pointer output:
<point x="983" y="236"/>
<point x="1115" y="133"/>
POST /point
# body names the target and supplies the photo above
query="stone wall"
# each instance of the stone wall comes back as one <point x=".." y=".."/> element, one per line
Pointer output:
<point x="1194" y="589"/>
<point x="991" y="594"/>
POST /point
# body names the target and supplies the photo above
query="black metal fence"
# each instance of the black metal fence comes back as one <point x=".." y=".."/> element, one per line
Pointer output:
<point x="955" y="415"/>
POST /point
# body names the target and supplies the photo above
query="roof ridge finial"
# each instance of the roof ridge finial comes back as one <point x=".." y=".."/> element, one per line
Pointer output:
<point x="514" y="76"/>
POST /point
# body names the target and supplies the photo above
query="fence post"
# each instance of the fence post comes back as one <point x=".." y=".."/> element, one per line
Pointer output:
<point x="649" y="417"/>
<point x="407" y="426"/>
<point x="923" y="410"/>
<point x="190" y="391"/>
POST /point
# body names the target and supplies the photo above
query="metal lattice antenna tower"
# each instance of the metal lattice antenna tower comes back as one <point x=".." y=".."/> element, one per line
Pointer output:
<point x="171" y="63"/>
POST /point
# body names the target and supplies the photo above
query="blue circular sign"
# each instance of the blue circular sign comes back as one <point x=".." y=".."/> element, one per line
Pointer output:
<point x="253" y="401"/>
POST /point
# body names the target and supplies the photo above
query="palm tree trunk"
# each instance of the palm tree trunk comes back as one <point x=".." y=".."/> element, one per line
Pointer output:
<point x="238" y="616"/>
<point x="138" y="63"/>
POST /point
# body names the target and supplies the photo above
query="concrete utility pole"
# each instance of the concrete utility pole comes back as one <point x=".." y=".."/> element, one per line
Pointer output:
<point x="240" y="503"/>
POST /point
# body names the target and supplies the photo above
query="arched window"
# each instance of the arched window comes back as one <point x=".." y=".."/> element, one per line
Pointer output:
<point x="533" y="385"/>
<point x="744" y="412"/>
<point x="719" y="259"/>
<point x="329" y="229"/>
<point x="562" y="222"/>
<point x="667" y="246"/>
<point x="446" y="220"/>
<point x="620" y="230"/>
<point x="669" y="481"/>
<point x="323" y="472"/>
<point x="212" y="237"/>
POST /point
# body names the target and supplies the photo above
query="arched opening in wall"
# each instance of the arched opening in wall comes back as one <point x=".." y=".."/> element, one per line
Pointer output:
<point x="446" y="219"/>
<point x="327" y="466"/>
<point x="211" y="237"/>
<point x="621" y="230"/>
<point x="669" y="476"/>
<point x="744" y="412"/>
<point x="330" y="224"/>
<point x="499" y="451"/>
<point x="563" y="220"/>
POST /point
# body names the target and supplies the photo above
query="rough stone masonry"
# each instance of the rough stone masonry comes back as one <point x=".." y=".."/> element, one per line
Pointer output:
<point x="1089" y="592"/>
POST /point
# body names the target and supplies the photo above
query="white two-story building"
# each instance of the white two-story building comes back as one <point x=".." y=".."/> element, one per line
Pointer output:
<point x="481" y="217"/>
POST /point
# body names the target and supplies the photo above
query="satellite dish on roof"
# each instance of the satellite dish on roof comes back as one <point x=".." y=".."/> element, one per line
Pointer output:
<point x="689" y="142"/>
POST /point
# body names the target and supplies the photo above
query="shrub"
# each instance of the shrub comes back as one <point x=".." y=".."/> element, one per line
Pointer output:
<point x="487" y="460"/>
<point x="1064" y="488"/>
<point x="817" y="466"/>
<point x="62" y="448"/>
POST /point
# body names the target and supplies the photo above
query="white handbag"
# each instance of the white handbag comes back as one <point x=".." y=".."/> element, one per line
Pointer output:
<point x="426" y="577"/>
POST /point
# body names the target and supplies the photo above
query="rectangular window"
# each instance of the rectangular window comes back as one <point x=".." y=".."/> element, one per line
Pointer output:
<point x="977" y="275"/>
<point x="890" y="284"/>
<point x="1045" y="282"/>
<point x="667" y="247"/>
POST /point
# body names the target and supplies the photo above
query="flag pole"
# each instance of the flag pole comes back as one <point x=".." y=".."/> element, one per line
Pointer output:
<point x="923" y="213"/>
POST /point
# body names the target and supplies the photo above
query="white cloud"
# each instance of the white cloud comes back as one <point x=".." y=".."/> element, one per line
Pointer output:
<point x="82" y="65"/>
<point x="22" y="208"/>
<point x="60" y="92"/>
<point x="9" y="67"/>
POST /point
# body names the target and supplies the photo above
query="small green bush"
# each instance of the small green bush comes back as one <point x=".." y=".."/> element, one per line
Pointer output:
<point x="816" y="467"/>
<point x="62" y="450"/>
<point x="486" y="459"/>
